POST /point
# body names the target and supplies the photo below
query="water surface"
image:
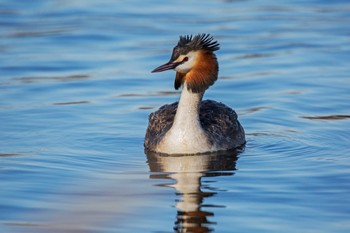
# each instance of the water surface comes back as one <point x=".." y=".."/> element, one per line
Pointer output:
<point x="75" y="95"/>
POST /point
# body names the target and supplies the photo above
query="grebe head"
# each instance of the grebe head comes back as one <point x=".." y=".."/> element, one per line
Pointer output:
<point x="194" y="61"/>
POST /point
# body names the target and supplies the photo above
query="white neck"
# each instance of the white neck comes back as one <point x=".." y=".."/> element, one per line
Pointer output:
<point x="187" y="113"/>
<point x="186" y="135"/>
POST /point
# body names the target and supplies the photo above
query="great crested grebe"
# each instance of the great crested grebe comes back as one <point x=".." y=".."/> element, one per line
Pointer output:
<point x="193" y="126"/>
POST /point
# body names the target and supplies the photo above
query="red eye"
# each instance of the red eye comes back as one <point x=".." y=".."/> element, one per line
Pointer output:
<point x="185" y="59"/>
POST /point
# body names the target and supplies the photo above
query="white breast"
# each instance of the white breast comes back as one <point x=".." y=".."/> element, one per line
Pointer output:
<point x="186" y="135"/>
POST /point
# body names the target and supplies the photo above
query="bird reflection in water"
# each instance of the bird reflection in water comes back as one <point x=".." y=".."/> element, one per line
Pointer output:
<point x="187" y="171"/>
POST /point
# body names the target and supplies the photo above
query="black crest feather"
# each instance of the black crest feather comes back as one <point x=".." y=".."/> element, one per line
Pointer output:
<point x="200" y="41"/>
<point x="189" y="43"/>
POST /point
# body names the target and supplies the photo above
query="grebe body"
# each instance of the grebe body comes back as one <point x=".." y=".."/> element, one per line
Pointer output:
<point x="193" y="126"/>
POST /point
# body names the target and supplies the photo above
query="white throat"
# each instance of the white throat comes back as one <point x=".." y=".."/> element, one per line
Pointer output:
<point x="186" y="135"/>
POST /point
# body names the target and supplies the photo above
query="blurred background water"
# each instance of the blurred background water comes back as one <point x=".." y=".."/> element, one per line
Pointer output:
<point x="76" y="91"/>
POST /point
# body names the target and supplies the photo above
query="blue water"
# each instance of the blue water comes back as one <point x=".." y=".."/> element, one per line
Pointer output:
<point x="76" y="91"/>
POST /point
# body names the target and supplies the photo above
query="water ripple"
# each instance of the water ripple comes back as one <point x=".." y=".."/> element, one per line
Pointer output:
<point x="330" y="117"/>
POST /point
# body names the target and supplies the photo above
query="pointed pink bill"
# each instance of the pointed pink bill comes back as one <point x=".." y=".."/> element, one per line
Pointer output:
<point x="166" y="66"/>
